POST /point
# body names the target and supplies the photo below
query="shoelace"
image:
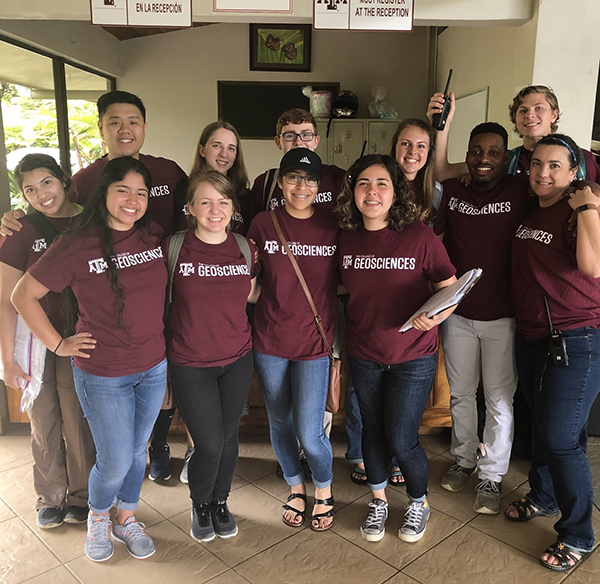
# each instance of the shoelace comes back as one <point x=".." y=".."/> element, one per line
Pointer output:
<point x="457" y="468"/>
<point x="414" y="515"/>
<point x="376" y="515"/>
<point x="134" y="530"/>
<point x="488" y="486"/>
<point x="98" y="529"/>
<point x="221" y="511"/>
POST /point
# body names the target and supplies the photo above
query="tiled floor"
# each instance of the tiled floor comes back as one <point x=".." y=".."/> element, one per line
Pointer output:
<point x="459" y="546"/>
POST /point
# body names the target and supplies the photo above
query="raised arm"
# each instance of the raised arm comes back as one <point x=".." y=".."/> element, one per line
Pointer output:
<point x="26" y="299"/>
<point x="588" y="232"/>
<point x="442" y="168"/>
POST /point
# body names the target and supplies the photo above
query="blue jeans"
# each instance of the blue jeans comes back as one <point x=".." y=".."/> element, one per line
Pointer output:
<point x="392" y="400"/>
<point x="560" y="399"/>
<point x="295" y="394"/>
<point x="121" y="412"/>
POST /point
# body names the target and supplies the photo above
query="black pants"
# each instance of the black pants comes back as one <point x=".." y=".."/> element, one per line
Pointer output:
<point x="211" y="401"/>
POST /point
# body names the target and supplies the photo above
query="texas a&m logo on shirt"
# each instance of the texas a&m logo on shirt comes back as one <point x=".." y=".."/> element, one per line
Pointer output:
<point x="271" y="246"/>
<point x="39" y="245"/>
<point x="186" y="269"/>
<point x="346" y="261"/>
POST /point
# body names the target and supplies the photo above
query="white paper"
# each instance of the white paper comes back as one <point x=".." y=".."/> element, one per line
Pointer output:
<point x="446" y="297"/>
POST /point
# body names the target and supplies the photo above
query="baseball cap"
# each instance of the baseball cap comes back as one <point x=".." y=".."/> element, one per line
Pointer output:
<point x="301" y="159"/>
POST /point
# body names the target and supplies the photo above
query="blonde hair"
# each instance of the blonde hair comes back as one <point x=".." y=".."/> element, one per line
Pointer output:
<point x="214" y="178"/>
<point x="530" y="89"/>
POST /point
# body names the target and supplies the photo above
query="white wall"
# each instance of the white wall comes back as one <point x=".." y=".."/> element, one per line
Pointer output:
<point x="498" y="57"/>
<point x="79" y="41"/>
<point x="176" y="75"/>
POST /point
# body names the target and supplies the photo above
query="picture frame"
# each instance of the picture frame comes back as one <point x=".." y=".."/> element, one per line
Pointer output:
<point x="280" y="47"/>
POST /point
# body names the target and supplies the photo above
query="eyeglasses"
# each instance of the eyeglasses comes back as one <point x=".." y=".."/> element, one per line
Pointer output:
<point x="296" y="180"/>
<point x="291" y="136"/>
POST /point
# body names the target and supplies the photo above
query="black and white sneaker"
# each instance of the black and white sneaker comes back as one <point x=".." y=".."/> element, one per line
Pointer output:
<point x="415" y="521"/>
<point x="202" y="523"/>
<point x="373" y="527"/>
<point x="223" y="521"/>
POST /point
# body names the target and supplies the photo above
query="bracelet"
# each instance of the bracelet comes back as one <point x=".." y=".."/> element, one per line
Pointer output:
<point x="59" y="344"/>
<point x="586" y="207"/>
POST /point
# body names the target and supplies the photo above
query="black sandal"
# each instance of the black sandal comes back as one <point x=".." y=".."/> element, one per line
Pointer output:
<point x="301" y="514"/>
<point x="361" y="479"/>
<point x="317" y="516"/>
<point x="526" y="510"/>
<point x="565" y="556"/>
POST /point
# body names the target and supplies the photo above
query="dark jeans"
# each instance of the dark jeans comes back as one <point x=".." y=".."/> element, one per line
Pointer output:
<point x="211" y="401"/>
<point x="560" y="399"/>
<point x="392" y="400"/>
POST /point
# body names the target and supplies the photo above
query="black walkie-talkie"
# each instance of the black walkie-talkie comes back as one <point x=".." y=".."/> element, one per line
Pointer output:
<point x="439" y="120"/>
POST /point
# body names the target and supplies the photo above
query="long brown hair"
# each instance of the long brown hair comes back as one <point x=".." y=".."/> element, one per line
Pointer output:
<point x="426" y="184"/>
<point x="237" y="174"/>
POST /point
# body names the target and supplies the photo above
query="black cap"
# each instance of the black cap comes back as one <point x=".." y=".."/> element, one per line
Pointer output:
<point x="301" y="159"/>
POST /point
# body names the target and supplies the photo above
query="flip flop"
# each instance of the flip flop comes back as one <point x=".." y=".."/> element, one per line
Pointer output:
<point x="362" y="475"/>
<point x="397" y="478"/>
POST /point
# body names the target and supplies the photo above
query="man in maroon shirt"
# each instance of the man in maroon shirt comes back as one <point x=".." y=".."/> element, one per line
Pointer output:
<point x="478" y="223"/>
<point x="122" y="124"/>
<point x="296" y="128"/>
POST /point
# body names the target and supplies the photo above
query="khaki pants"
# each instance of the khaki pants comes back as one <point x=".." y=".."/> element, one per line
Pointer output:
<point x="61" y="442"/>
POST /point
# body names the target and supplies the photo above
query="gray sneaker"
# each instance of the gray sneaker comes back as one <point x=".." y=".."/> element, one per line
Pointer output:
<point x="415" y="521"/>
<point x="373" y="527"/>
<point x="202" y="523"/>
<point x="456" y="477"/>
<point x="183" y="477"/>
<point x="49" y="517"/>
<point x="131" y="533"/>
<point x="488" y="497"/>
<point x="223" y="521"/>
<point x="98" y="546"/>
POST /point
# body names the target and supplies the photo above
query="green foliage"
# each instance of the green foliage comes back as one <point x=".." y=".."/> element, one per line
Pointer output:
<point x="31" y="123"/>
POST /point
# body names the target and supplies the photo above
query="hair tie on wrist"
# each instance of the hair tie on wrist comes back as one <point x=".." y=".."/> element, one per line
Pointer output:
<point x="59" y="344"/>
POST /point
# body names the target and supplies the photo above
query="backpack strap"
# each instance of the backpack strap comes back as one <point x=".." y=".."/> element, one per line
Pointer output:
<point x="244" y="248"/>
<point x="43" y="226"/>
<point x="270" y="182"/>
<point x="582" y="168"/>
<point x="174" y="249"/>
<point x="513" y="160"/>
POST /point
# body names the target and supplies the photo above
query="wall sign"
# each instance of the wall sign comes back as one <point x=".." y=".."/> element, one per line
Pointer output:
<point x="252" y="5"/>
<point x="363" y="14"/>
<point x="162" y="13"/>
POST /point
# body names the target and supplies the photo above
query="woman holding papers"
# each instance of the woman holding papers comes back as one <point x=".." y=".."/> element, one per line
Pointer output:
<point x="388" y="261"/>
<point x="555" y="266"/>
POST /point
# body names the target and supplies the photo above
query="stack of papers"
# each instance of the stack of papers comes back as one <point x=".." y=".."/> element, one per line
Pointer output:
<point x="447" y="297"/>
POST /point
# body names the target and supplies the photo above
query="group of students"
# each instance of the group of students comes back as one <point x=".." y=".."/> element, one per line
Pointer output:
<point x="370" y="236"/>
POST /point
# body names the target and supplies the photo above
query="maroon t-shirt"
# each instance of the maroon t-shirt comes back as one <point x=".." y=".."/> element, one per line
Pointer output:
<point x="329" y="189"/>
<point x="138" y="343"/>
<point x="207" y="324"/>
<point x="24" y="248"/>
<point x="544" y="264"/>
<point x="592" y="172"/>
<point x="284" y="324"/>
<point x="388" y="275"/>
<point x="479" y="227"/>
<point x="161" y="205"/>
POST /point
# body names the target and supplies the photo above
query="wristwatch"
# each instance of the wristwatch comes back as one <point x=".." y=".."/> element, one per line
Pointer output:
<point x="586" y="207"/>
